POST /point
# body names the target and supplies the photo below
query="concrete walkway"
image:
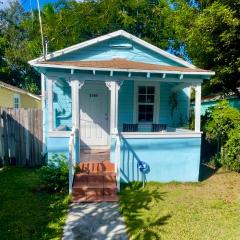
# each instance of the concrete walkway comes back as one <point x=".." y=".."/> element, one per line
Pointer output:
<point x="94" y="221"/>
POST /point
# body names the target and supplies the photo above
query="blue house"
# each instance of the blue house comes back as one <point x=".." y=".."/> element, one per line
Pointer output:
<point x="121" y="98"/>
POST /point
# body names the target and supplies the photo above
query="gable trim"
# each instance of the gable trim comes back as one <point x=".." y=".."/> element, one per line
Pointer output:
<point x="109" y="36"/>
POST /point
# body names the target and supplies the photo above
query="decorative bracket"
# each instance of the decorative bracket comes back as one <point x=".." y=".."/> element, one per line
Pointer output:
<point x="119" y="84"/>
<point x="109" y="85"/>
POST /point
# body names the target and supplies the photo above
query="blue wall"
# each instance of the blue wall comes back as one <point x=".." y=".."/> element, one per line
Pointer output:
<point x="175" y="159"/>
<point x="125" y="103"/>
<point x="57" y="145"/>
<point x="103" y="51"/>
<point x="179" y="117"/>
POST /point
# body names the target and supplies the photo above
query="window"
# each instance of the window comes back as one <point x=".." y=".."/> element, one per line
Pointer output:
<point x="146" y="101"/>
<point x="16" y="101"/>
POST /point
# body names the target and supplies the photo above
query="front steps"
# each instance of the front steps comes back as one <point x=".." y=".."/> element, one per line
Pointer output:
<point x="95" y="182"/>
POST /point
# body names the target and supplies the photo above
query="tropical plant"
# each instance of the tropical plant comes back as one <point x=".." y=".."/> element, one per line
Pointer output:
<point x="54" y="175"/>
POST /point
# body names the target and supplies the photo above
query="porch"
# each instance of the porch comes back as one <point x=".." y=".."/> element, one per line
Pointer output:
<point x="106" y="115"/>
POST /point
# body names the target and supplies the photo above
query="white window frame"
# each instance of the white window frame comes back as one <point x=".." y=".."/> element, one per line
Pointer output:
<point x="156" y="101"/>
<point x="16" y="96"/>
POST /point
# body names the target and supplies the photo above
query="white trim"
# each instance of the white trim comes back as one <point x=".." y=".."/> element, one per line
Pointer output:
<point x="91" y="77"/>
<point x="59" y="134"/>
<point x="189" y="102"/>
<point x="44" y="65"/>
<point x="114" y="87"/>
<point x="50" y="104"/>
<point x="156" y="100"/>
<point x="149" y="135"/>
<point x="198" y="108"/>
<point x="43" y="90"/>
<point x="109" y="36"/>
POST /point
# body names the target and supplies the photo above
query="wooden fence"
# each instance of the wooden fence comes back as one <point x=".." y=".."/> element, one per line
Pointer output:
<point x="21" y="136"/>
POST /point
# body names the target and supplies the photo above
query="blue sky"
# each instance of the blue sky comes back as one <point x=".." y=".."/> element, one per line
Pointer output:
<point x="26" y="3"/>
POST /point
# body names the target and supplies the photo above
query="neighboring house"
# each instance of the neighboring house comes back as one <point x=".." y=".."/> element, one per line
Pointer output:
<point x="210" y="101"/>
<point x="14" y="97"/>
<point x="123" y="95"/>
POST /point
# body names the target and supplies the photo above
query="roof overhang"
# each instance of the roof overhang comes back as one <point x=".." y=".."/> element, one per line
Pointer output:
<point x="209" y="73"/>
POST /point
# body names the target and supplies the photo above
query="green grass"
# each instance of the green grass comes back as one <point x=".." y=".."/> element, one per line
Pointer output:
<point x="25" y="212"/>
<point x="206" y="211"/>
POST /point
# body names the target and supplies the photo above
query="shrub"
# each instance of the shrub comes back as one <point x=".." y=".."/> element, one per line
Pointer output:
<point x="222" y="120"/>
<point x="54" y="175"/>
<point x="223" y="127"/>
<point x="231" y="151"/>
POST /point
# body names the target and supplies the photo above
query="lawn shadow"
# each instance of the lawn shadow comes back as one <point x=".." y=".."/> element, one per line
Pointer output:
<point x="134" y="200"/>
<point x="205" y="172"/>
<point x="25" y="212"/>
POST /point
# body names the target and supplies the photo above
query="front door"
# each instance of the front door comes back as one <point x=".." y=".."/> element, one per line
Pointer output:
<point x="94" y="124"/>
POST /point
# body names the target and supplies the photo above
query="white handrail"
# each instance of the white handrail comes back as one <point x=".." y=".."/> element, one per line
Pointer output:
<point x="117" y="160"/>
<point x="72" y="157"/>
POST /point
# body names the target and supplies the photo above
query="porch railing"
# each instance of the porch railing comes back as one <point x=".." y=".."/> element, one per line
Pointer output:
<point x="72" y="157"/>
<point x="117" y="153"/>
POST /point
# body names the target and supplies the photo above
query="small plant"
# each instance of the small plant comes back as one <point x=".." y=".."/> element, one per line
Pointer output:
<point x="173" y="102"/>
<point x="215" y="161"/>
<point x="54" y="175"/>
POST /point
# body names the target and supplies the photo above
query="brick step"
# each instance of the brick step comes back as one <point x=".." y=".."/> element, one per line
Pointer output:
<point x="84" y="199"/>
<point x="92" y="193"/>
<point x="95" y="178"/>
<point x="95" y="182"/>
<point x="96" y="166"/>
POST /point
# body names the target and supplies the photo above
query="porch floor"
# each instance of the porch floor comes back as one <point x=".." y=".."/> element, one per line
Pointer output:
<point x="95" y="180"/>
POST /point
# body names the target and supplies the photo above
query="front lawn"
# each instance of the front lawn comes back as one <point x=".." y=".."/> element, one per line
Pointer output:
<point x="25" y="212"/>
<point x="207" y="210"/>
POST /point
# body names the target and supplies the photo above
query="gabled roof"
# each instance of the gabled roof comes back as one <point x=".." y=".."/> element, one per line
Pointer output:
<point x="118" y="64"/>
<point x="109" y="36"/>
<point x="18" y="90"/>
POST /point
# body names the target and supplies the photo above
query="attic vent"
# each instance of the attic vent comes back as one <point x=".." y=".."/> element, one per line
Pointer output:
<point x="121" y="46"/>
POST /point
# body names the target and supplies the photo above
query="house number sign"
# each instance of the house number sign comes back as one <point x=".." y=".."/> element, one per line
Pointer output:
<point x="93" y="95"/>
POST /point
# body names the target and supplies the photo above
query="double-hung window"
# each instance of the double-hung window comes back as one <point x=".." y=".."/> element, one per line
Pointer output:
<point x="16" y="101"/>
<point x="146" y="103"/>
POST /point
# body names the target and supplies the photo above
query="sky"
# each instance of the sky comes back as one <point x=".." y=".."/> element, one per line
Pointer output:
<point x="26" y="3"/>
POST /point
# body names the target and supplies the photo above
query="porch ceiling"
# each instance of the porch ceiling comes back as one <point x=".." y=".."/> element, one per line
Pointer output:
<point x="123" y="65"/>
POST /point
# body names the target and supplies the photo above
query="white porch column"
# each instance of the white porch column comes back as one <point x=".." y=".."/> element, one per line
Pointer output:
<point x="43" y="92"/>
<point x="50" y="103"/>
<point x="198" y="108"/>
<point x="76" y="85"/>
<point x="114" y="87"/>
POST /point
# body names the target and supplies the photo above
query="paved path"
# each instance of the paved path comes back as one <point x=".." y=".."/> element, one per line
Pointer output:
<point x="94" y="221"/>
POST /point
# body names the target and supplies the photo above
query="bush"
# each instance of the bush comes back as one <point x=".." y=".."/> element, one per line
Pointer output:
<point x="231" y="151"/>
<point x="223" y="127"/>
<point x="54" y="175"/>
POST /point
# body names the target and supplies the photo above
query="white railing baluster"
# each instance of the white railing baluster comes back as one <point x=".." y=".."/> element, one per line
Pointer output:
<point x="72" y="157"/>
<point x="117" y="160"/>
